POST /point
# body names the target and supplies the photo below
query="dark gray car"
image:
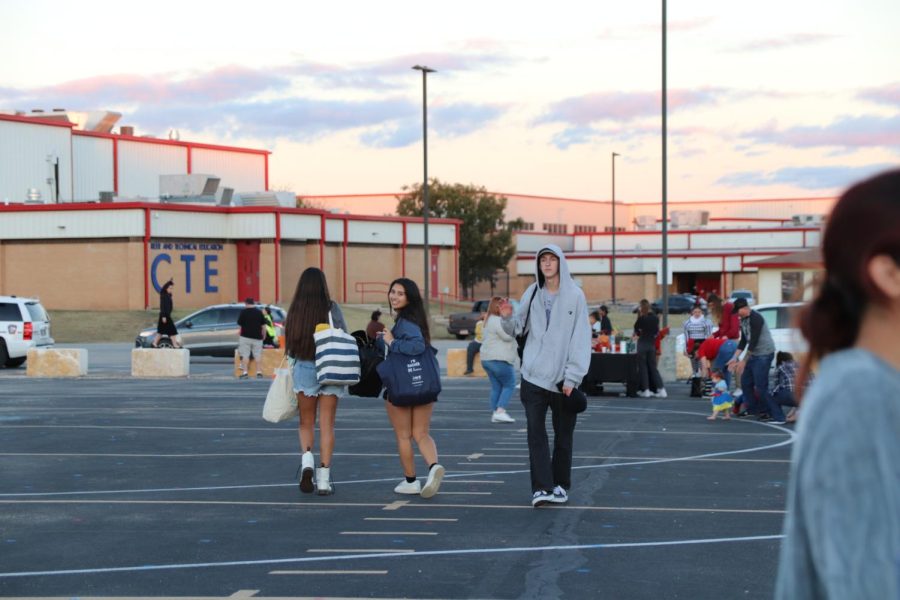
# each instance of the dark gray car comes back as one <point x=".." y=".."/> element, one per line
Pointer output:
<point x="211" y="331"/>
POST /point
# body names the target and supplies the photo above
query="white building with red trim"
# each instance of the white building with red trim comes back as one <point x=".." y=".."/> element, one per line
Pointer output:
<point x="60" y="242"/>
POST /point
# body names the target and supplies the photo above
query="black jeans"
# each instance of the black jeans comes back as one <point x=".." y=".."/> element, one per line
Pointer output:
<point x="647" y="371"/>
<point x="546" y="471"/>
<point x="471" y="350"/>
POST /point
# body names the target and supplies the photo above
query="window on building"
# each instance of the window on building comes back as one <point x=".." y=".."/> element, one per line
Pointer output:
<point x="525" y="227"/>
<point x="556" y="228"/>
<point x="585" y="229"/>
<point x="791" y="285"/>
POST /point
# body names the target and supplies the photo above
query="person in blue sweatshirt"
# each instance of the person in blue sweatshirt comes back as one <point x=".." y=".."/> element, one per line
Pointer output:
<point x="557" y="354"/>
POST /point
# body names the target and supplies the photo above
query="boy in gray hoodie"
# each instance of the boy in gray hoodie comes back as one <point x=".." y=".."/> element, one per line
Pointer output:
<point x="557" y="355"/>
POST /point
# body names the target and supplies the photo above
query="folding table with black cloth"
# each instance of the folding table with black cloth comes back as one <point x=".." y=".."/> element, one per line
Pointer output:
<point x="610" y="367"/>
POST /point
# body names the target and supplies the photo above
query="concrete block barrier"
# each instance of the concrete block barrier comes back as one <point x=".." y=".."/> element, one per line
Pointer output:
<point x="271" y="359"/>
<point x="160" y="362"/>
<point x="456" y="363"/>
<point x="683" y="367"/>
<point x="56" y="362"/>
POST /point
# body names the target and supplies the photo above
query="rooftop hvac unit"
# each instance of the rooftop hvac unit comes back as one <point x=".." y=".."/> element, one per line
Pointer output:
<point x="285" y="199"/>
<point x="688" y="219"/>
<point x="807" y="220"/>
<point x="225" y="196"/>
<point x="645" y="222"/>
<point x="107" y="196"/>
<point x="194" y="187"/>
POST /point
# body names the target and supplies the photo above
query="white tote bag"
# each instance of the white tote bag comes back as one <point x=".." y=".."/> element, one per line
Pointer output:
<point x="281" y="401"/>
<point x="337" y="356"/>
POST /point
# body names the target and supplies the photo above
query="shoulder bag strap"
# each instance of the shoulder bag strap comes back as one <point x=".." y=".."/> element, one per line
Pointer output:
<point x="528" y="314"/>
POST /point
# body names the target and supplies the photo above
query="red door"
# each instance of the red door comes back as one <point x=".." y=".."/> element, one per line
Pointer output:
<point x="248" y="269"/>
<point x="708" y="283"/>
<point x="434" y="271"/>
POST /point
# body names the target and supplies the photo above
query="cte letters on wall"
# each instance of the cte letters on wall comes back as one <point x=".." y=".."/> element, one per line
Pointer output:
<point x="187" y="258"/>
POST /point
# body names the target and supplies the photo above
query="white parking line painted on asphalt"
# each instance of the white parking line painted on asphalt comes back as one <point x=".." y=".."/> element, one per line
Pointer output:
<point x="417" y="554"/>
<point x="474" y="481"/>
<point x="410" y="519"/>
<point x="492" y="464"/>
<point x="401" y="533"/>
<point x="359" y="550"/>
<point x="334" y="572"/>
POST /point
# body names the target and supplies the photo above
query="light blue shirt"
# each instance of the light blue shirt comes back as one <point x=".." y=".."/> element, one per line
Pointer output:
<point x="842" y="531"/>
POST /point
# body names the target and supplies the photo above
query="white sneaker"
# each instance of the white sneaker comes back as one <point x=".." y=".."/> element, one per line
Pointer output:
<point x="559" y="495"/>
<point x="307" y="468"/>
<point x="433" y="483"/>
<point x="661" y="393"/>
<point x="501" y="416"/>
<point x="323" y="481"/>
<point x="540" y="498"/>
<point x="644" y="393"/>
<point x="405" y="487"/>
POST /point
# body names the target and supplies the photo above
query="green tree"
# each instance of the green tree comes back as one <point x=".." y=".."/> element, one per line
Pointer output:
<point x="485" y="238"/>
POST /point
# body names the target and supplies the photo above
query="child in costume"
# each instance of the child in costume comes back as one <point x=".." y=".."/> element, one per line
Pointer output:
<point x="721" y="399"/>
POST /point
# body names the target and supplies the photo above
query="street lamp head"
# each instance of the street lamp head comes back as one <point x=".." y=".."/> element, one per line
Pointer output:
<point x="424" y="69"/>
<point x="615" y="154"/>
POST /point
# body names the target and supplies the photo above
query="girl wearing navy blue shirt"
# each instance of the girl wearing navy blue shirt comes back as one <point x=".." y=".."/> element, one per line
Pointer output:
<point x="410" y="335"/>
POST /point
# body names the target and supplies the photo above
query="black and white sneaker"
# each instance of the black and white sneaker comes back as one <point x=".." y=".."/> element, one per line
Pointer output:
<point x="540" y="498"/>
<point x="559" y="495"/>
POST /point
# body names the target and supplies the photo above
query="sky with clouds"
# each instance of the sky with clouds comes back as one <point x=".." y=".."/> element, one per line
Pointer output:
<point x="769" y="99"/>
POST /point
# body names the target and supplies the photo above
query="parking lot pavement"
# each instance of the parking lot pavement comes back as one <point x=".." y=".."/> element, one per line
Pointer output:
<point x="128" y="488"/>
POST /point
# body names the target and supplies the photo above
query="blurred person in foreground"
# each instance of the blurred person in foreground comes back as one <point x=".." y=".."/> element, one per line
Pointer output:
<point x="842" y="531"/>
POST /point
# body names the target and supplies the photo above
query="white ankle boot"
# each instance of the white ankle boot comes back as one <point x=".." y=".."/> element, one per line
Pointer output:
<point x="307" y="468"/>
<point x="323" y="481"/>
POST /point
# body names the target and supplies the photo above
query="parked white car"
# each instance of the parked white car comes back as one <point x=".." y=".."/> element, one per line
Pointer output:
<point x="745" y="294"/>
<point x="781" y="319"/>
<point x="24" y="324"/>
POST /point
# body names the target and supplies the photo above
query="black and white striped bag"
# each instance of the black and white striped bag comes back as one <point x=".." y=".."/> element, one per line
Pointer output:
<point x="337" y="356"/>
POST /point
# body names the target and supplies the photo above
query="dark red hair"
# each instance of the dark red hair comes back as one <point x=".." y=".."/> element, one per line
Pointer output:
<point x="864" y="223"/>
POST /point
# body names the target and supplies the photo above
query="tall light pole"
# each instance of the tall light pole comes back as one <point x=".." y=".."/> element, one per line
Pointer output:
<point x="612" y="264"/>
<point x="665" y="220"/>
<point x="425" y="71"/>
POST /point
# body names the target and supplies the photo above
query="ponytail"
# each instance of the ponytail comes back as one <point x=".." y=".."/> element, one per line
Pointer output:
<point x="830" y="323"/>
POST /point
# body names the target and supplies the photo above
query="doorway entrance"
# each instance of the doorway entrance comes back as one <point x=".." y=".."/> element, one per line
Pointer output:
<point x="248" y="270"/>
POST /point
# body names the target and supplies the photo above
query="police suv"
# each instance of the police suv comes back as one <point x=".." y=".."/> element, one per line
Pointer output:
<point x="24" y="324"/>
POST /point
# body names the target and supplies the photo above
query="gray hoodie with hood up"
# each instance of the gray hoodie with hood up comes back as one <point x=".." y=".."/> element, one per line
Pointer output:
<point x="558" y="351"/>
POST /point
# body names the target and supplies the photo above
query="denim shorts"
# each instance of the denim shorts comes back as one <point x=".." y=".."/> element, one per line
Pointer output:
<point x="304" y="373"/>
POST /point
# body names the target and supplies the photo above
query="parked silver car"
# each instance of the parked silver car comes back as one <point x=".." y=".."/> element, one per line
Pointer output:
<point x="211" y="331"/>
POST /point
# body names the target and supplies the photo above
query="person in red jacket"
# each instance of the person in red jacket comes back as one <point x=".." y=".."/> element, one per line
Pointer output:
<point x="728" y="321"/>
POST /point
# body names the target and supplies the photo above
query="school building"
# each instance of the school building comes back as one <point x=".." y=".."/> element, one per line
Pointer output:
<point x="92" y="219"/>
<point x="713" y="245"/>
<point x="96" y="219"/>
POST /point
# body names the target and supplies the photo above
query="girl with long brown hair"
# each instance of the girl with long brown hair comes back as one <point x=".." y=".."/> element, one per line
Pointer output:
<point x="498" y="357"/>
<point x="411" y="336"/>
<point x="310" y="307"/>
<point x="842" y="531"/>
